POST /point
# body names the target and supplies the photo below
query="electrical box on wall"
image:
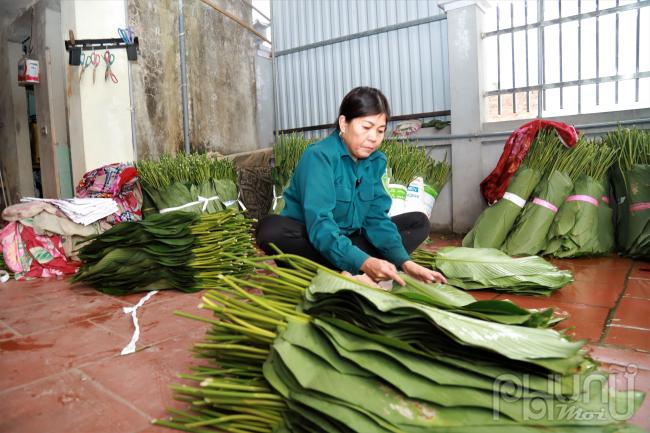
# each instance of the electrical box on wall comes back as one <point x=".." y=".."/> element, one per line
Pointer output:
<point x="28" y="71"/>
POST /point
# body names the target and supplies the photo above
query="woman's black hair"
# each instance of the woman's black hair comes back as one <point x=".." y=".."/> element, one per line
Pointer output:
<point x="363" y="101"/>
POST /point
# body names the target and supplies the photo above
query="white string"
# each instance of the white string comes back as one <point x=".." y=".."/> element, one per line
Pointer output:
<point x="130" y="348"/>
<point x="199" y="200"/>
<point x="275" y="199"/>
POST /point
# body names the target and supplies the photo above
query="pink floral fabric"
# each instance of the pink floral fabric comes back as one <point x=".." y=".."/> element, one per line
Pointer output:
<point x="29" y="255"/>
<point x="119" y="182"/>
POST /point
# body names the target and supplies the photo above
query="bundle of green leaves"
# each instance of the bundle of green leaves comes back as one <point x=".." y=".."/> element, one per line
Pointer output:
<point x="583" y="224"/>
<point x="311" y="350"/>
<point x="193" y="183"/>
<point x="287" y="151"/>
<point x="176" y="250"/>
<point x="489" y="268"/>
<point x="632" y="191"/>
<point x="528" y="236"/>
<point x="495" y="222"/>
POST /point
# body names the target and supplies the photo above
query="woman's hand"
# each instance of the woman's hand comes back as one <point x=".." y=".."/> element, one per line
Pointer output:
<point x="381" y="270"/>
<point x="363" y="278"/>
<point x="421" y="273"/>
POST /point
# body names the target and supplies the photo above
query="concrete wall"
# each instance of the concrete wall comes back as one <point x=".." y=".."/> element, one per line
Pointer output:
<point x="15" y="155"/>
<point x="264" y="102"/>
<point x="221" y="78"/>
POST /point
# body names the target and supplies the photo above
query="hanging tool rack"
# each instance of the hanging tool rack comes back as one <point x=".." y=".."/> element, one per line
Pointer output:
<point x="76" y="46"/>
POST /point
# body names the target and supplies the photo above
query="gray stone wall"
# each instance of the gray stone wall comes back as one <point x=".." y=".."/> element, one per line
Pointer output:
<point x="221" y="78"/>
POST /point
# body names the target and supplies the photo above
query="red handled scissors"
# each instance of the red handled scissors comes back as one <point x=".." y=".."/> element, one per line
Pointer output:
<point x="109" y="59"/>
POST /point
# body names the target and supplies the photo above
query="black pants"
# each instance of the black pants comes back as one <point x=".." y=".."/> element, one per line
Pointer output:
<point x="291" y="237"/>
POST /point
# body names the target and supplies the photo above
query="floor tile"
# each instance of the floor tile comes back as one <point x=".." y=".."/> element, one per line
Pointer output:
<point x="633" y="312"/>
<point x="587" y="320"/>
<point x="601" y="276"/>
<point x="611" y="261"/>
<point x="620" y="356"/>
<point x="145" y="375"/>
<point x="41" y="287"/>
<point x="66" y="403"/>
<point x="641" y="270"/>
<point x="483" y="295"/>
<point x="628" y="377"/>
<point x="628" y="337"/>
<point x="6" y="333"/>
<point x="638" y="288"/>
<point x="54" y="313"/>
<point x="588" y="293"/>
<point x="23" y="360"/>
<point x="14" y="295"/>
<point x="157" y="320"/>
<point x="640" y="380"/>
<point x="154" y="429"/>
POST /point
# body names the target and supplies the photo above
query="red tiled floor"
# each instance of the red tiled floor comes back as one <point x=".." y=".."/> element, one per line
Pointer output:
<point x="588" y="293"/>
<point x="628" y="337"/>
<point x="620" y="356"/>
<point x="483" y="295"/>
<point x="147" y="374"/>
<point x="6" y="333"/>
<point x="70" y="355"/>
<point x="157" y="320"/>
<point x="638" y="288"/>
<point x="154" y="429"/>
<point x="66" y="403"/>
<point x="588" y="320"/>
<point x="633" y="313"/>
<point x="642" y="383"/>
<point x="629" y="377"/>
<point x="613" y="277"/>
<point x="51" y="314"/>
<point x="641" y="270"/>
<point x="26" y="359"/>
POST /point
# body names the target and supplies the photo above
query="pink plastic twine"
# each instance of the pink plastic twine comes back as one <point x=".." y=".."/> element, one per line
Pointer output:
<point x="585" y="198"/>
<point x="605" y="199"/>
<point x="639" y="206"/>
<point x="544" y="203"/>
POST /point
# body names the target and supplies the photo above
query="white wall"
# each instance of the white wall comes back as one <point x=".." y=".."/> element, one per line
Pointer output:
<point x="99" y="119"/>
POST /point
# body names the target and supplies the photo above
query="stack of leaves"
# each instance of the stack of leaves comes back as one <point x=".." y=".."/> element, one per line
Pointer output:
<point x="489" y="268"/>
<point x="632" y="191"/>
<point x="176" y="250"/>
<point x="495" y="222"/>
<point x="351" y="358"/>
<point x="287" y="151"/>
<point x="583" y="225"/>
<point x="192" y="183"/>
<point x="528" y="235"/>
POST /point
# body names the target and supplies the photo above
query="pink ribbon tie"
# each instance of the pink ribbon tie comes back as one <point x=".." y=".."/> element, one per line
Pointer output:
<point x="585" y="198"/>
<point x="605" y="199"/>
<point x="544" y="203"/>
<point x="639" y="206"/>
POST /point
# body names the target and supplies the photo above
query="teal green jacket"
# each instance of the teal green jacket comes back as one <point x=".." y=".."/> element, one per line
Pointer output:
<point x="334" y="195"/>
